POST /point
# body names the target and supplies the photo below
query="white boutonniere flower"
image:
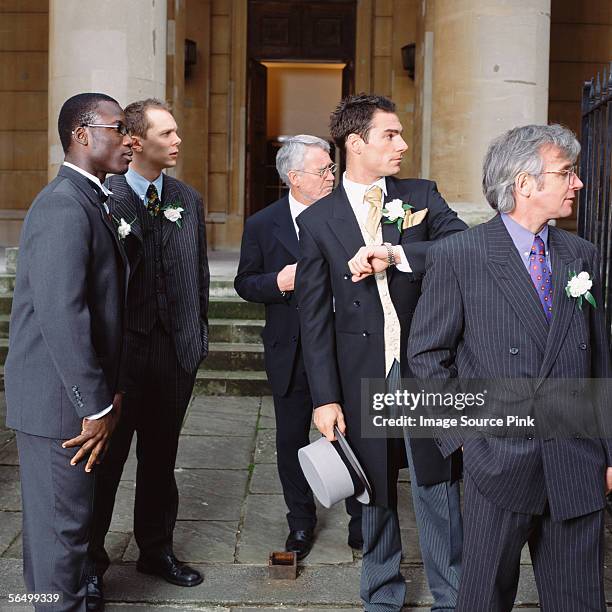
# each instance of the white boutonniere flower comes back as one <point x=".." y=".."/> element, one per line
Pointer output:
<point x="395" y="211"/>
<point x="578" y="287"/>
<point x="124" y="229"/>
<point x="174" y="213"/>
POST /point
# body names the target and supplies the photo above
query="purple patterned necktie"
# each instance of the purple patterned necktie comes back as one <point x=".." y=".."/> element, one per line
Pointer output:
<point x="541" y="276"/>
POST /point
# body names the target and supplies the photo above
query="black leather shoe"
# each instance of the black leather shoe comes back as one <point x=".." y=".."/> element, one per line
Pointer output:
<point x="168" y="567"/>
<point x="95" y="597"/>
<point x="300" y="542"/>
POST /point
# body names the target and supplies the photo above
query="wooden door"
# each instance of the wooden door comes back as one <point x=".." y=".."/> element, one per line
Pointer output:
<point x="256" y="136"/>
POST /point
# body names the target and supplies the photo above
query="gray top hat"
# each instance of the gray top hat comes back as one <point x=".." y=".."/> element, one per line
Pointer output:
<point x="327" y="474"/>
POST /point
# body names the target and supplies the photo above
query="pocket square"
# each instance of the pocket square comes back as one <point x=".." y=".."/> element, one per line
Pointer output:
<point x="411" y="219"/>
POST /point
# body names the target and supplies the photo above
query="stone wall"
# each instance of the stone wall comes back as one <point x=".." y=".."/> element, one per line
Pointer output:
<point x="24" y="36"/>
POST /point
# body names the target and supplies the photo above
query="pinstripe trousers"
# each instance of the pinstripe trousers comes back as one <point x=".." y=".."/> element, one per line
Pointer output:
<point x="438" y="517"/>
<point x="567" y="558"/>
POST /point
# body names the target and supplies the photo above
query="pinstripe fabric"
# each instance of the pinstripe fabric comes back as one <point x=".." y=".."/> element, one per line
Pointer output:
<point x="480" y="317"/>
<point x="438" y="518"/>
<point x="185" y="266"/>
<point x="567" y="558"/>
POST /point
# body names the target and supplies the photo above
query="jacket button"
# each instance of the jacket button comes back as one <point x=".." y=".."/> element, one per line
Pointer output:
<point x="583" y="346"/>
<point x="365" y="333"/>
<point x="297" y="307"/>
<point x="293" y="338"/>
<point x="356" y="303"/>
<point x="346" y="277"/>
<point x="514" y="350"/>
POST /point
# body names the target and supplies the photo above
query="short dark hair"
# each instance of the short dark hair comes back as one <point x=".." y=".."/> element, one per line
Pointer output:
<point x="354" y="116"/>
<point x="78" y="111"/>
<point x="136" y="115"/>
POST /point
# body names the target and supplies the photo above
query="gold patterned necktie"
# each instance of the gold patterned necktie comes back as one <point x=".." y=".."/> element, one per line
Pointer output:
<point x="374" y="198"/>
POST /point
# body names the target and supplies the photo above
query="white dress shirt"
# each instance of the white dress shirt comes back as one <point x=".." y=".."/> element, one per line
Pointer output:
<point x="356" y="193"/>
<point x="105" y="191"/>
<point x="93" y="179"/>
<point x="296" y="209"/>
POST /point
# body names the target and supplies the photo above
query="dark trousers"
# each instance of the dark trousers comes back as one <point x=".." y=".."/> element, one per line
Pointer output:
<point x="154" y="408"/>
<point x="567" y="558"/>
<point x="293" y="419"/>
<point x="57" y="505"/>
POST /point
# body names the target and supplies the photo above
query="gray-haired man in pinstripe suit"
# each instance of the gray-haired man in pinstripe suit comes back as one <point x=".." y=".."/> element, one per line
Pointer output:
<point x="166" y="339"/>
<point x="494" y="307"/>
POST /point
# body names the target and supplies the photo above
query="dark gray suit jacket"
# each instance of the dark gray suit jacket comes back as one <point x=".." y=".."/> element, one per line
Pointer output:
<point x="185" y="265"/>
<point x="342" y="347"/>
<point x="67" y="315"/>
<point x="480" y="317"/>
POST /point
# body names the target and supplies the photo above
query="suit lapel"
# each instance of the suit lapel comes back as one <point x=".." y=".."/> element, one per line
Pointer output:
<point x="563" y="262"/>
<point x="510" y="274"/>
<point x="284" y="230"/>
<point x="343" y="222"/>
<point x="390" y="233"/>
<point x="124" y="203"/>
<point x="170" y="195"/>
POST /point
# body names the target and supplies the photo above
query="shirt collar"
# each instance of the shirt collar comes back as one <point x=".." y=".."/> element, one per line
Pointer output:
<point x="140" y="184"/>
<point x="522" y="237"/>
<point x="356" y="191"/>
<point x="94" y="179"/>
<point x="295" y="206"/>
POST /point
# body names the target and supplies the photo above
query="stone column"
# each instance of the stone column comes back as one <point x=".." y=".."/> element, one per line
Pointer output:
<point x="484" y="67"/>
<point x="114" y="47"/>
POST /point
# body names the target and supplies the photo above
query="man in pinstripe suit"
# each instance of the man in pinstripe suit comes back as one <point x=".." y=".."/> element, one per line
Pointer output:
<point x="494" y="307"/>
<point x="166" y="339"/>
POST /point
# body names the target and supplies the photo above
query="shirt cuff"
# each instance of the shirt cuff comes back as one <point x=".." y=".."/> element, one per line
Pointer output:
<point x="99" y="415"/>
<point x="403" y="265"/>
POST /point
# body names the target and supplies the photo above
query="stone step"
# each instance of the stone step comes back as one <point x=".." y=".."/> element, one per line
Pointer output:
<point x="218" y="382"/>
<point x="7" y="283"/>
<point x="4" y="325"/>
<point x="234" y="357"/>
<point x="221" y="330"/>
<point x="233" y="308"/>
<point x="6" y="299"/>
<point x="11" y="259"/>
<point x="231" y="383"/>
<point x="229" y="330"/>
<point x="225" y="356"/>
<point x="222" y="287"/>
<point x="219" y="307"/>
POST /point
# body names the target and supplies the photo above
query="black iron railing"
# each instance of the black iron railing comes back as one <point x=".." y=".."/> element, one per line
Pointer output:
<point x="595" y="209"/>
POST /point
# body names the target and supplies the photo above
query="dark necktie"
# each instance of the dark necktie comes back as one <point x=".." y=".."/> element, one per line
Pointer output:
<point x="153" y="201"/>
<point x="541" y="276"/>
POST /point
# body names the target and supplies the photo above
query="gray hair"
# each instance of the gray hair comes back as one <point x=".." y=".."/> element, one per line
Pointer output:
<point x="291" y="155"/>
<point x="519" y="150"/>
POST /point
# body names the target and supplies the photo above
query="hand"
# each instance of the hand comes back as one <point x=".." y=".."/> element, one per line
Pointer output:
<point x="286" y="278"/>
<point x="367" y="261"/>
<point x="326" y="416"/>
<point x="95" y="436"/>
<point x="608" y="480"/>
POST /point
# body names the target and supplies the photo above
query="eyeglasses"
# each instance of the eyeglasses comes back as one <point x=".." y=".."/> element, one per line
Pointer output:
<point x="570" y="173"/>
<point x="322" y="172"/>
<point x="120" y="127"/>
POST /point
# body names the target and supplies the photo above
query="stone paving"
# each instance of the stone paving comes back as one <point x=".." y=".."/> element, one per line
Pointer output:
<point x="231" y="516"/>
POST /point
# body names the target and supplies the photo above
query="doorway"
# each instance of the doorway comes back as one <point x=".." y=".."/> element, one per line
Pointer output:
<point x="300" y="63"/>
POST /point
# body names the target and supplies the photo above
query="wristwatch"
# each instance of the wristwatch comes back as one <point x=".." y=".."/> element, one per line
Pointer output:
<point x="390" y="253"/>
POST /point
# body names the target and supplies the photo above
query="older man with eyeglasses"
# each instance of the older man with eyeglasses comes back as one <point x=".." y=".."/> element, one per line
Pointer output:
<point x="266" y="274"/>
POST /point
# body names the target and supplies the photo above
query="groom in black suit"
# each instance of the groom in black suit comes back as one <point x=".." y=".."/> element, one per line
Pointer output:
<point x="355" y="312"/>
<point x="162" y="222"/>
<point x="266" y="274"/>
<point x="62" y="369"/>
